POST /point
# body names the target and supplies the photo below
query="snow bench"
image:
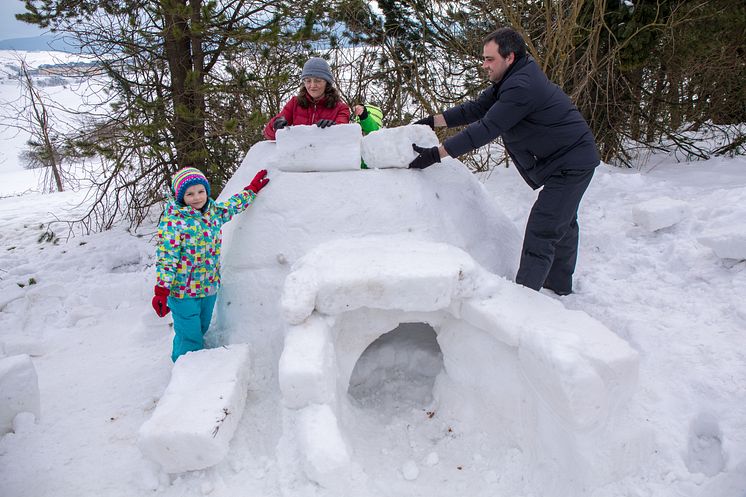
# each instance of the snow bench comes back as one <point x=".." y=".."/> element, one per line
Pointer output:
<point x="196" y="417"/>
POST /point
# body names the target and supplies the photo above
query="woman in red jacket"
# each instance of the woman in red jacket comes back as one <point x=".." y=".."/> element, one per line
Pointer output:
<point x="318" y="101"/>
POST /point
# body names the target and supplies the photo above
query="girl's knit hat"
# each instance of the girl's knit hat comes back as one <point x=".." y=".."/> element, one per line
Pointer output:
<point x="184" y="178"/>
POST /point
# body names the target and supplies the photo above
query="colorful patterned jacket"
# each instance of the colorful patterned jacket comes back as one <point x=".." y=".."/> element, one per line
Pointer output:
<point x="188" y="252"/>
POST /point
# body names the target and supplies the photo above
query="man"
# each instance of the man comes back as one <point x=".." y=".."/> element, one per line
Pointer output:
<point x="549" y="142"/>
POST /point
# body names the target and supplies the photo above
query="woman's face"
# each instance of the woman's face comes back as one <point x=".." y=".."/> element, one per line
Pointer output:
<point x="315" y="87"/>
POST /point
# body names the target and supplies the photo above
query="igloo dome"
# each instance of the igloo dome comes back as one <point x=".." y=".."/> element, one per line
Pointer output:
<point x="326" y="262"/>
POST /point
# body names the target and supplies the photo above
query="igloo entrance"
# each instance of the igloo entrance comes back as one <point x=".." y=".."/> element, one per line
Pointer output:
<point x="398" y="370"/>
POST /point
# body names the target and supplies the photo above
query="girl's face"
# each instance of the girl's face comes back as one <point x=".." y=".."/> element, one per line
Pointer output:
<point x="315" y="87"/>
<point x="195" y="196"/>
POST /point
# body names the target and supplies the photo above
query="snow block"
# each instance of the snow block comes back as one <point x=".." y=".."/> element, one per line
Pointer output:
<point x="322" y="442"/>
<point x="19" y="390"/>
<point x="195" y="419"/>
<point x="310" y="148"/>
<point x="577" y="366"/>
<point x="348" y="274"/>
<point x="386" y="147"/>
<point x="659" y="213"/>
<point x="727" y="243"/>
<point x="307" y="366"/>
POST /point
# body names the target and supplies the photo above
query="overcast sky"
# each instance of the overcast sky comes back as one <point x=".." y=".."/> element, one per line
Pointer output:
<point x="9" y="27"/>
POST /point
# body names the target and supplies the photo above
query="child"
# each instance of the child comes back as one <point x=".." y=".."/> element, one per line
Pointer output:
<point x="188" y="253"/>
<point x="369" y="117"/>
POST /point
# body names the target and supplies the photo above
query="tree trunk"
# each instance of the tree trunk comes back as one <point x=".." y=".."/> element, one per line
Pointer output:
<point x="186" y="82"/>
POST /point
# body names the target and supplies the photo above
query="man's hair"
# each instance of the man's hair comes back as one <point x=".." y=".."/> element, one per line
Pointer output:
<point x="508" y="40"/>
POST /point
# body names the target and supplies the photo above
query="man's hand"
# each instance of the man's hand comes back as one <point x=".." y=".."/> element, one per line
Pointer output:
<point x="428" y="121"/>
<point x="427" y="157"/>
<point x="279" y="123"/>
<point x="325" y="123"/>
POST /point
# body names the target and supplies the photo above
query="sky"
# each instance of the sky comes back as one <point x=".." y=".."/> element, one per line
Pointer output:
<point x="460" y="382"/>
<point x="12" y="28"/>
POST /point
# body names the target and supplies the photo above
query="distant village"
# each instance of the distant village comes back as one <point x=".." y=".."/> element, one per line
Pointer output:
<point x="66" y="70"/>
<point x="52" y="74"/>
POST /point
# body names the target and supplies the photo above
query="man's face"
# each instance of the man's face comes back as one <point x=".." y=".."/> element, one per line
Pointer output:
<point x="494" y="63"/>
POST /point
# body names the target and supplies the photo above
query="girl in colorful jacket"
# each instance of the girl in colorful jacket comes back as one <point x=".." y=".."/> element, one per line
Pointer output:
<point x="318" y="101"/>
<point x="188" y="254"/>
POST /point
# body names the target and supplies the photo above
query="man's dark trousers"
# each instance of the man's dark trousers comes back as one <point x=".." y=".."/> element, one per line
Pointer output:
<point x="550" y="246"/>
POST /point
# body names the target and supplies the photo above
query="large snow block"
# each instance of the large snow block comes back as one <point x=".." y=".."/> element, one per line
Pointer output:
<point x="306" y="369"/>
<point x="578" y="367"/>
<point x="659" y="213"/>
<point x="727" y="243"/>
<point x="197" y="415"/>
<point x="392" y="147"/>
<point x="19" y="389"/>
<point x="322" y="442"/>
<point x="348" y="274"/>
<point x="310" y="148"/>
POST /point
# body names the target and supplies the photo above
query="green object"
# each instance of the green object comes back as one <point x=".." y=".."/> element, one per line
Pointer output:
<point x="373" y="120"/>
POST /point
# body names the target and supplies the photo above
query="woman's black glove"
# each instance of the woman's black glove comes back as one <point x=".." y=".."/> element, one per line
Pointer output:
<point x="325" y="123"/>
<point x="279" y="123"/>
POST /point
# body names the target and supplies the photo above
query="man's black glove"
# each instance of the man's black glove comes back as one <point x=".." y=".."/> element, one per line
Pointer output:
<point x="428" y="121"/>
<point x="325" y="123"/>
<point x="279" y="123"/>
<point x="427" y="157"/>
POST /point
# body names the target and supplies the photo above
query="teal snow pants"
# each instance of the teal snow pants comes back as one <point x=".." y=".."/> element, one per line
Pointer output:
<point x="191" y="320"/>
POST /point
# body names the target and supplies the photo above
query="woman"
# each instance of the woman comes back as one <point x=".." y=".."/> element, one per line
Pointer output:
<point x="318" y="101"/>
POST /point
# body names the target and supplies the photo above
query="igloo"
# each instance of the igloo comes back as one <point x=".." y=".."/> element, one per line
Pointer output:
<point x="330" y="259"/>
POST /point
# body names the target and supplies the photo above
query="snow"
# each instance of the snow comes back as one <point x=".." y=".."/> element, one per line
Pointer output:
<point x="310" y="148"/>
<point x="198" y="413"/>
<point x="635" y="385"/>
<point x="19" y="390"/>
<point x="659" y="213"/>
<point x="393" y="147"/>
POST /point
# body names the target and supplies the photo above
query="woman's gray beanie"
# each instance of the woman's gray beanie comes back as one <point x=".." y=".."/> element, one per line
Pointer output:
<point x="316" y="67"/>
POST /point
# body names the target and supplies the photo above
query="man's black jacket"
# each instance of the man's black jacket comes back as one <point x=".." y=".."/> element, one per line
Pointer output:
<point x="541" y="128"/>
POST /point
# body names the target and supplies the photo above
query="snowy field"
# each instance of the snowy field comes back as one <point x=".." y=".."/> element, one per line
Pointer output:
<point x="661" y="265"/>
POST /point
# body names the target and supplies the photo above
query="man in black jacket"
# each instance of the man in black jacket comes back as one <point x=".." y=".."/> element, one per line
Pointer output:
<point x="549" y="142"/>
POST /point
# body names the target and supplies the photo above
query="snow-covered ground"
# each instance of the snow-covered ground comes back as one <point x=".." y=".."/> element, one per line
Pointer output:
<point x="662" y="265"/>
